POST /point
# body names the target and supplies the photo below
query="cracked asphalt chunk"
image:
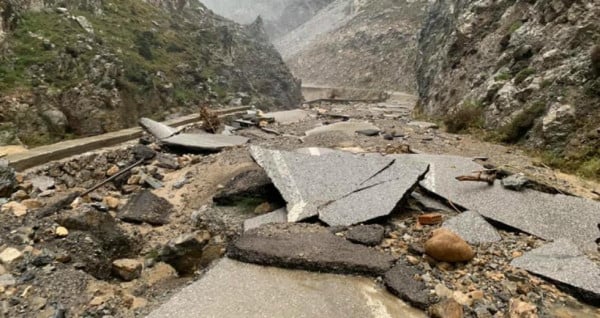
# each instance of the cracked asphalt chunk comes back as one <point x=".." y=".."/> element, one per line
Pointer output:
<point x="341" y="188"/>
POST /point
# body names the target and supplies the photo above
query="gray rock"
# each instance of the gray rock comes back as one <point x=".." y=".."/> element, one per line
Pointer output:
<point x="146" y="207"/>
<point x="7" y="280"/>
<point x="515" y="182"/>
<point x="42" y="183"/>
<point x="563" y="263"/>
<point x="369" y="235"/>
<point x="400" y="280"/>
<point x="277" y="216"/>
<point x="339" y="187"/>
<point x="84" y="24"/>
<point x="545" y="215"/>
<point x="472" y="228"/>
<point x="167" y="161"/>
<point x="143" y="152"/>
<point x="8" y="181"/>
<point x="56" y="119"/>
<point x="232" y="289"/>
<point x="250" y="183"/>
<point x="184" y="252"/>
<point x="205" y="142"/>
<point x="309" y="247"/>
<point x="347" y="127"/>
<point x="158" y="130"/>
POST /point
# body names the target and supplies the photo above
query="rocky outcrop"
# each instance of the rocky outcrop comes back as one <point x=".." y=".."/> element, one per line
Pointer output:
<point x="527" y="66"/>
<point x="367" y="44"/>
<point x="65" y="74"/>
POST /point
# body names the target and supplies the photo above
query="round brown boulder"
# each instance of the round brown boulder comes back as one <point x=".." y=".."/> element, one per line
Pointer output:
<point x="446" y="246"/>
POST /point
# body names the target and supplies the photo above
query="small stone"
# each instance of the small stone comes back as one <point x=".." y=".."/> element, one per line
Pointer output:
<point x="369" y="235"/>
<point x="430" y="219"/>
<point x="127" y="269"/>
<point x="63" y="258"/>
<point x="442" y="291"/>
<point x="134" y="179"/>
<point x="15" y="208"/>
<point x="448" y="308"/>
<point x="114" y="169"/>
<point x="38" y="303"/>
<point x="61" y="231"/>
<point x="32" y="204"/>
<point x="111" y="202"/>
<point x="515" y="182"/>
<point x="263" y="208"/>
<point x="521" y="309"/>
<point x="412" y="260"/>
<point x="2" y="270"/>
<point x="19" y="195"/>
<point x="10" y="255"/>
<point x="446" y="246"/>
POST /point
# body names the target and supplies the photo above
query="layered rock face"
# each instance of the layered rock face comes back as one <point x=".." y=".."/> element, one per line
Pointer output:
<point x="79" y="67"/>
<point x="525" y="67"/>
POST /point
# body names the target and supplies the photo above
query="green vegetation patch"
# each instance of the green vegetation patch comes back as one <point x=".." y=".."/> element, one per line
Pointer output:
<point x="524" y="74"/>
<point x="469" y="116"/>
<point x="522" y="123"/>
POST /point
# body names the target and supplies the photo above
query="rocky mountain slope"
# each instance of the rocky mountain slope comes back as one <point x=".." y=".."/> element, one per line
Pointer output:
<point x="525" y="70"/>
<point x="280" y="16"/>
<point x="77" y="68"/>
<point x="358" y="44"/>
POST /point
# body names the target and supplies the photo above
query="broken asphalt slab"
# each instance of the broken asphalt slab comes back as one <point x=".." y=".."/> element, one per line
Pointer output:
<point x="232" y="289"/>
<point x="158" y="130"/>
<point x="309" y="247"/>
<point x="563" y="263"/>
<point x="339" y="187"/>
<point x="473" y="228"/>
<point x="547" y="216"/>
<point x="204" y="142"/>
<point x="347" y="127"/>
<point x="400" y="280"/>
<point x="146" y="207"/>
<point x="277" y="216"/>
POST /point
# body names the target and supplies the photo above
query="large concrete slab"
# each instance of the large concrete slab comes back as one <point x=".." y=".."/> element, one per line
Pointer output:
<point x="339" y="187"/>
<point x="545" y="215"/>
<point x="347" y="127"/>
<point x="288" y="116"/>
<point x="205" y="142"/>
<point x="235" y="290"/>
<point x="309" y="247"/>
<point x="473" y="228"/>
<point x="564" y="263"/>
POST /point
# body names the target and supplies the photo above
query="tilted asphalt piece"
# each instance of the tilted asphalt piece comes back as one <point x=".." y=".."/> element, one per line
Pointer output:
<point x="146" y="207"/>
<point x="277" y="216"/>
<point x="547" y="216"/>
<point x="205" y="142"/>
<point x="400" y="280"/>
<point x="158" y="130"/>
<point x="341" y="188"/>
<point x="309" y="247"/>
<point x="347" y="127"/>
<point x="232" y="289"/>
<point x="563" y="263"/>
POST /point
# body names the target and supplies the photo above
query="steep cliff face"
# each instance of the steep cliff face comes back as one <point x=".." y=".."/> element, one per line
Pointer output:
<point x="84" y="67"/>
<point x="523" y="69"/>
<point x="367" y="43"/>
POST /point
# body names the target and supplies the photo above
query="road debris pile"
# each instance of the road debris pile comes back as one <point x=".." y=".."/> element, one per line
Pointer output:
<point x="342" y="197"/>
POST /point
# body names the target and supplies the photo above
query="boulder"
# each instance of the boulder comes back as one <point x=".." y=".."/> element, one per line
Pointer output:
<point x="146" y="207"/>
<point x="8" y="181"/>
<point x="446" y="246"/>
<point x="185" y="252"/>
